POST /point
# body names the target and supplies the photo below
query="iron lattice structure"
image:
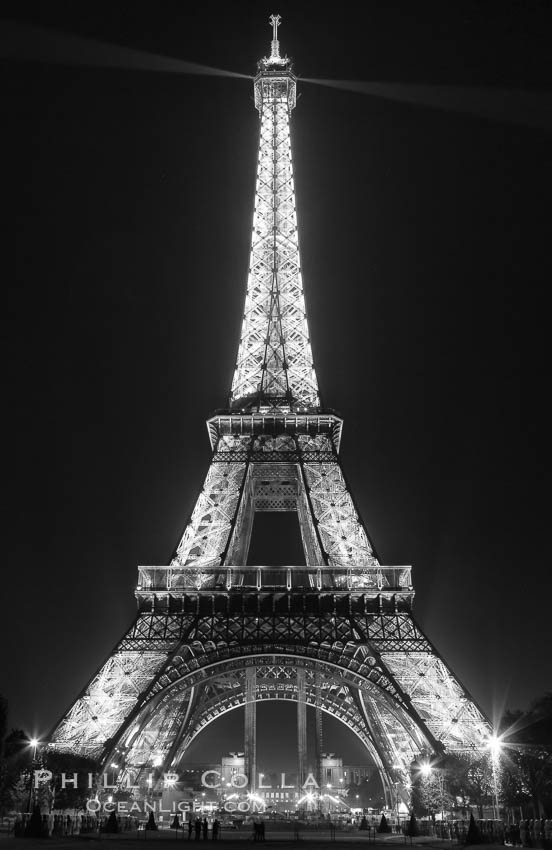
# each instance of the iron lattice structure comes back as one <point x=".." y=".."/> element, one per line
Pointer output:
<point x="211" y="633"/>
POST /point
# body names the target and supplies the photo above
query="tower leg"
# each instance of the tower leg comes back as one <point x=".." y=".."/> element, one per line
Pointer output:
<point x="250" y="732"/>
<point x="318" y="740"/>
<point x="301" y="727"/>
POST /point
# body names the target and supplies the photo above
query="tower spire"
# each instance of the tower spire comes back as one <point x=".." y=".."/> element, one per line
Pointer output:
<point x="275" y="20"/>
<point x="274" y="367"/>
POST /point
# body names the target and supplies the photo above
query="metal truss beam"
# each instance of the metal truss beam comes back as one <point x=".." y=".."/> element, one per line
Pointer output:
<point x="274" y="367"/>
<point x="214" y="633"/>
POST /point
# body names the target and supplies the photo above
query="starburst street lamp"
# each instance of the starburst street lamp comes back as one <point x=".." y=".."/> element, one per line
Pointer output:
<point x="432" y="775"/>
<point x="34" y="742"/>
<point x="495" y="744"/>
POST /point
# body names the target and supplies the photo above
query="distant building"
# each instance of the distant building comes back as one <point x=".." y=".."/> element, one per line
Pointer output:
<point x="277" y="790"/>
<point x="335" y="773"/>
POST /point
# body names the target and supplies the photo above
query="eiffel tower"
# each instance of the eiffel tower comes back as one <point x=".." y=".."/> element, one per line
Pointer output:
<point x="213" y="633"/>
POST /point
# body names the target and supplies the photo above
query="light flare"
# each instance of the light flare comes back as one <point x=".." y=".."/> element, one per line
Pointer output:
<point x="495" y="745"/>
<point x="510" y="106"/>
<point x="39" y="44"/>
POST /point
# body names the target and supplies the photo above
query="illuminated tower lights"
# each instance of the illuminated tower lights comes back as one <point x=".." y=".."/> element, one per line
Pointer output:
<point x="213" y="633"/>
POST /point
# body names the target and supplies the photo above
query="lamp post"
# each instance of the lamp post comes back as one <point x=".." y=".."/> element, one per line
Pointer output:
<point x="426" y="769"/>
<point x="495" y="745"/>
<point x="34" y="744"/>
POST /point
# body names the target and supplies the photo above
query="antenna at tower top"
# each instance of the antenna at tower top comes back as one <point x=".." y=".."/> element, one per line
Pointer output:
<point x="275" y="21"/>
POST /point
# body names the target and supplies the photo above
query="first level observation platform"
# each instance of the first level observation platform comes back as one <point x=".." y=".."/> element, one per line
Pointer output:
<point x="168" y="586"/>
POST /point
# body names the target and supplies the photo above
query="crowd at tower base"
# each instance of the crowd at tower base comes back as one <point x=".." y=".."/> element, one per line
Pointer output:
<point x="530" y="833"/>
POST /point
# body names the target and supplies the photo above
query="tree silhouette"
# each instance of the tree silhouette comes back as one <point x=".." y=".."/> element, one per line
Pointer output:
<point x="526" y="764"/>
<point x="474" y="833"/>
<point x="412" y="828"/>
<point x="112" y="824"/>
<point x="34" y="826"/>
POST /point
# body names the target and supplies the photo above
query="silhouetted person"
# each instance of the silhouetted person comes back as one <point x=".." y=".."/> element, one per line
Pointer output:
<point x="190" y="828"/>
<point x="197" y="828"/>
<point x="205" y="828"/>
<point x="215" y="828"/>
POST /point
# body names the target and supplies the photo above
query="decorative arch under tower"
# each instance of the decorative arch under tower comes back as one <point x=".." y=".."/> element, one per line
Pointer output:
<point x="213" y="633"/>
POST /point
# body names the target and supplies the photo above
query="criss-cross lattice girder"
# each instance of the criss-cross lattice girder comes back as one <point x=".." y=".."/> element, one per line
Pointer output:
<point x="274" y="364"/>
<point x="214" y="633"/>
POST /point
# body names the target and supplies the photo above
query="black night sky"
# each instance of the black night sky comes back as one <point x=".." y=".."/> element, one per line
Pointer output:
<point x="425" y="239"/>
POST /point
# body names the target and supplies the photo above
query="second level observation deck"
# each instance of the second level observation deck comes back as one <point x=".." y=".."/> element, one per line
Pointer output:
<point x="313" y="421"/>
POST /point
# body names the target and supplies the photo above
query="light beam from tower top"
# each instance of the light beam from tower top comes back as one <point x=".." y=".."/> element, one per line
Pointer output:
<point x="274" y="367"/>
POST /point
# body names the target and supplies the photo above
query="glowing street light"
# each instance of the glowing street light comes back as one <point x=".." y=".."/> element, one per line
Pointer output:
<point x="436" y="774"/>
<point x="494" y="743"/>
<point x="252" y="797"/>
<point x="34" y="742"/>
